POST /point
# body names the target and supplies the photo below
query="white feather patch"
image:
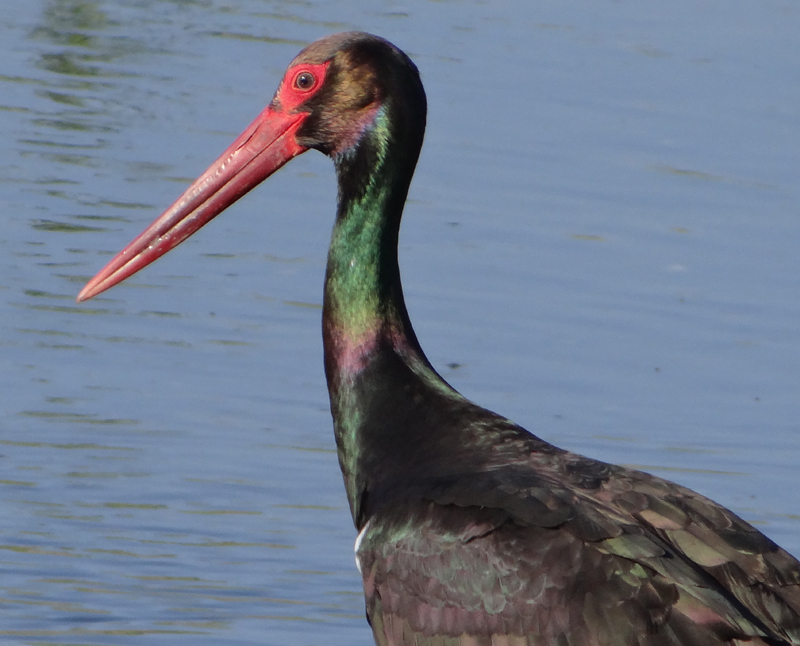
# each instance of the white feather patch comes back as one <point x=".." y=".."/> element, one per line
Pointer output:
<point x="360" y="538"/>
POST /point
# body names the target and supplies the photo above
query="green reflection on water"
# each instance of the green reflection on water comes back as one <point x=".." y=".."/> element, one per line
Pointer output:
<point x="44" y="333"/>
<point x="163" y="314"/>
<point x="64" y="309"/>
<point x="130" y="554"/>
<point x="63" y="227"/>
<point x="102" y="475"/>
<point x="117" y="205"/>
<point x="67" y="125"/>
<point x="64" y="99"/>
<point x="262" y="39"/>
<point x="62" y="158"/>
<point x="69" y="446"/>
<point x="59" y="346"/>
<point x="17" y="483"/>
<point x="64" y="64"/>
<point x="222" y="512"/>
<point x="29" y="549"/>
<point x="128" y="505"/>
<point x="82" y="418"/>
<point x="36" y="293"/>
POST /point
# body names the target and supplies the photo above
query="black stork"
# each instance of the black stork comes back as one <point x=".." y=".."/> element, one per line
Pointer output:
<point x="471" y="530"/>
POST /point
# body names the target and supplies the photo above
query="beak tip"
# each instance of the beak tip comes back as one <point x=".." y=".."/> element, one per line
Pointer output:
<point x="89" y="291"/>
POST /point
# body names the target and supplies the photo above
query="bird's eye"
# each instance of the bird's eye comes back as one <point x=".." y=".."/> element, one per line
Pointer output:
<point x="305" y="81"/>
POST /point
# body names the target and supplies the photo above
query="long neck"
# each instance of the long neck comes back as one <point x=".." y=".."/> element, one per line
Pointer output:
<point x="370" y="346"/>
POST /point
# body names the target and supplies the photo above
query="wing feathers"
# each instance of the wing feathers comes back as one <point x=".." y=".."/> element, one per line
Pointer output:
<point x="548" y="558"/>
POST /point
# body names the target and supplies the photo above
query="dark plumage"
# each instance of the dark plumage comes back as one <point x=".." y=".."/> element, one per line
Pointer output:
<point x="472" y="531"/>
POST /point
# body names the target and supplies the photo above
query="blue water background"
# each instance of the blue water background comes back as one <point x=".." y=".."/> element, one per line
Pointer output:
<point x="601" y="243"/>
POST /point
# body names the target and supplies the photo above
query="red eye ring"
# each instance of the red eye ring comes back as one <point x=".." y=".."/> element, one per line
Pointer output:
<point x="305" y="81"/>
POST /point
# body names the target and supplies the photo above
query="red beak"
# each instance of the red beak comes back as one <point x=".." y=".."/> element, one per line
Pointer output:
<point x="266" y="145"/>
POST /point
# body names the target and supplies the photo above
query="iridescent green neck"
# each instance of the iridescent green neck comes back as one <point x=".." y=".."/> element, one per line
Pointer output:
<point x="364" y="304"/>
<point x="366" y="329"/>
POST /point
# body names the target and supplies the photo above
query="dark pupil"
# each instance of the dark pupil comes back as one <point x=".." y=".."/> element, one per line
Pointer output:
<point x="305" y="81"/>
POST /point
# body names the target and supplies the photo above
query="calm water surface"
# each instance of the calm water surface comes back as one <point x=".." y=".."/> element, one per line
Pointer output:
<point x="602" y="243"/>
